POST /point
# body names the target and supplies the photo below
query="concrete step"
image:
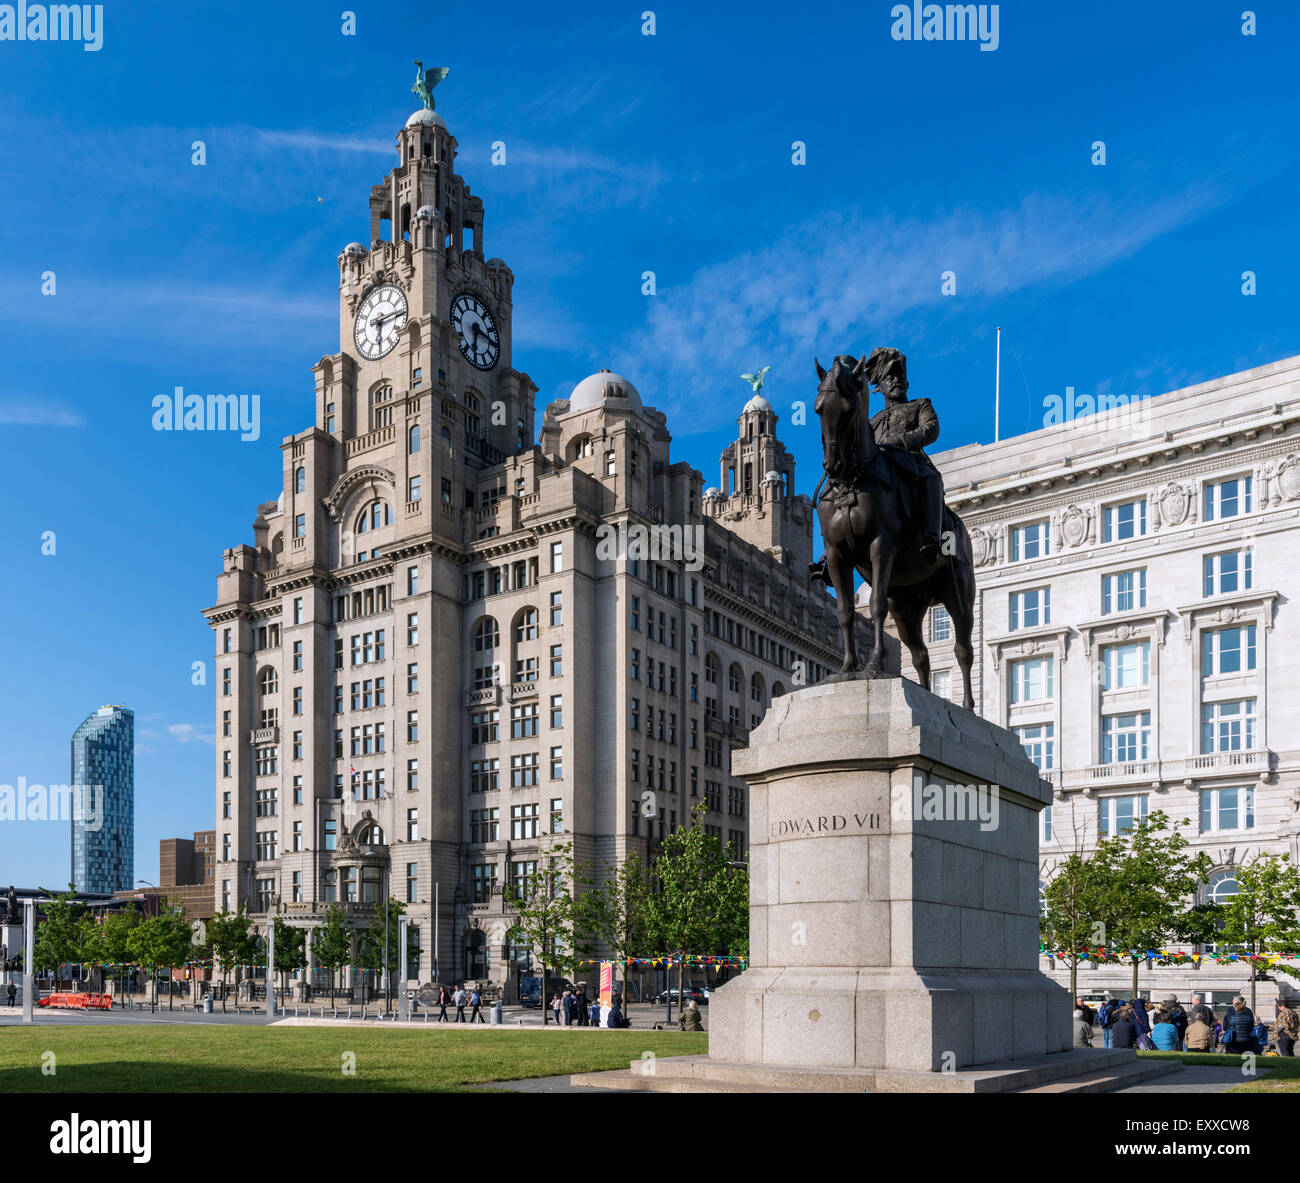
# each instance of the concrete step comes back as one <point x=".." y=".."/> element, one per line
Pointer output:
<point x="635" y="1082"/>
<point x="1109" y="1080"/>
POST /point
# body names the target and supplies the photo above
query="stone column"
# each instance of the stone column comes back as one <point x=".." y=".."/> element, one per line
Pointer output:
<point x="893" y="890"/>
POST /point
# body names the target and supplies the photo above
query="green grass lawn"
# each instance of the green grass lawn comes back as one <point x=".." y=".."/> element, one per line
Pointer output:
<point x="1282" y="1075"/>
<point x="185" y="1059"/>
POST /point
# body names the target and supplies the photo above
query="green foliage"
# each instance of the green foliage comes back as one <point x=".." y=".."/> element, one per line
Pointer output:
<point x="1262" y="917"/>
<point x="545" y="912"/>
<point x="616" y="911"/>
<point x="58" y="935"/>
<point x="332" y="943"/>
<point x="1075" y="901"/>
<point x="233" y="943"/>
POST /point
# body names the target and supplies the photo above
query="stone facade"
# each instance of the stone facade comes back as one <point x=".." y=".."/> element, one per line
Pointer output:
<point x="449" y="648"/>
<point x="1133" y="621"/>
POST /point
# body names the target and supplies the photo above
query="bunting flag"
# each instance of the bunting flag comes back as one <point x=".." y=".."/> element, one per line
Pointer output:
<point x="1167" y="956"/>
<point x="671" y="962"/>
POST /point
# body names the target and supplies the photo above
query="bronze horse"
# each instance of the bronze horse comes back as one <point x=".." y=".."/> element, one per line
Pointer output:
<point x="870" y="519"/>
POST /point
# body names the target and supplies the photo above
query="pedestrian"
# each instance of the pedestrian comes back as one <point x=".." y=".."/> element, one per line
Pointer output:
<point x="1088" y="1013"/>
<point x="1123" y="1032"/>
<point x="570" y="1007"/>
<point x="1142" y="1023"/>
<point x="1082" y="1028"/>
<point x="1164" y="1034"/>
<point x="1238" y="1028"/>
<point x="1259" y="1033"/>
<point x="581" y="1007"/>
<point x="1105" y="1017"/>
<point x="593" y="1014"/>
<point x="476" y="1001"/>
<point x="1201" y="1011"/>
<point x="690" y="1018"/>
<point x="1200" y="1035"/>
<point x="1288" y="1027"/>
<point x="557" y="1006"/>
<point x="460" y="998"/>
<point x="443" y="999"/>
<point x="11" y="994"/>
<point x="1178" y="1017"/>
<point x="616" y="1018"/>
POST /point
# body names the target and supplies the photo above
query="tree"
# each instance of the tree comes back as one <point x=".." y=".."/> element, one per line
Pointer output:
<point x="173" y="942"/>
<point x="544" y="911"/>
<point x="115" y="941"/>
<point x="58" y="936"/>
<point x="1074" y="902"/>
<point x="616" y="912"/>
<point x="1151" y="883"/>
<point x="331" y="943"/>
<point x="290" y="949"/>
<point x="145" y="944"/>
<point x="233" y="944"/>
<point x="1261" y="917"/>
<point x="370" y="953"/>
<point x="703" y="898"/>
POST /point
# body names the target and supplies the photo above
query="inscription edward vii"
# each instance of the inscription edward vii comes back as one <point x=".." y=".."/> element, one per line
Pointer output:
<point x="826" y="823"/>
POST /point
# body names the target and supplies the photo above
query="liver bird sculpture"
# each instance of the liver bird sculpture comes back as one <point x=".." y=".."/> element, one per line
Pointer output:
<point x="426" y="80"/>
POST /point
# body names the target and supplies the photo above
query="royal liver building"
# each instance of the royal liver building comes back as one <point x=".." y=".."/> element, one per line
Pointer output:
<point x="449" y="645"/>
<point x="1135" y="624"/>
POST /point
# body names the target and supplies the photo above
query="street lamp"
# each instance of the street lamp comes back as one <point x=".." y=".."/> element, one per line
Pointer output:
<point x="153" y="997"/>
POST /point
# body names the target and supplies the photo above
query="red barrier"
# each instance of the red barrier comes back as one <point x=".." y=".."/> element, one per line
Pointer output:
<point x="78" y="1001"/>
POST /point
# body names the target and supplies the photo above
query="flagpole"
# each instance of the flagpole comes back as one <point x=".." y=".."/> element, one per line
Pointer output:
<point x="997" y="390"/>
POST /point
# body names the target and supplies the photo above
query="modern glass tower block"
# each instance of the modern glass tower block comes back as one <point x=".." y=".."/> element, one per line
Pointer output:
<point x="103" y="816"/>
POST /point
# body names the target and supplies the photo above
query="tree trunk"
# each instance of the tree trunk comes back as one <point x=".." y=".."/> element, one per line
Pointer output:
<point x="681" y="1001"/>
<point x="1136" y="963"/>
<point x="1074" y="980"/>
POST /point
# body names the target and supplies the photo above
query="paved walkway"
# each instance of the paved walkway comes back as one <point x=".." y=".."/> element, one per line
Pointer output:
<point x="1214" y="1078"/>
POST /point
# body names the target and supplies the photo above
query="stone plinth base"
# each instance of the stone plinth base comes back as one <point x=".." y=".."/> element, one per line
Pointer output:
<point x="1083" y="1070"/>
<point x="893" y="919"/>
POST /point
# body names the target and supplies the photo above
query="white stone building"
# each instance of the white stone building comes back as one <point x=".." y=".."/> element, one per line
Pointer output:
<point x="1135" y="625"/>
<point x="432" y="662"/>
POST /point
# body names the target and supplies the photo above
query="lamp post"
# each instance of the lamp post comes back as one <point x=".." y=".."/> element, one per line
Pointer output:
<point x="153" y="993"/>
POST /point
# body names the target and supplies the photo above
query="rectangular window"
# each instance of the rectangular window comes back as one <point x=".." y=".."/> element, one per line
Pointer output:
<point x="484" y="775"/>
<point x="557" y="710"/>
<point x="225" y="763"/>
<point x="483" y="726"/>
<point x="940" y="625"/>
<point x="1227" y="809"/>
<point x="297" y="745"/>
<point x="1127" y="520"/>
<point x="297" y="656"/>
<point x="331" y="834"/>
<point x="1031" y="608"/>
<point x="1031" y="679"/>
<point x="1045" y="824"/>
<point x="524" y="821"/>
<point x="297" y="700"/>
<point x="1116" y="815"/>
<point x="557" y="763"/>
<point x="557" y="661"/>
<point x="485" y="882"/>
<point x="557" y="609"/>
<point x="412" y="882"/>
<point x="557" y="815"/>
<point x="412" y="581"/>
<point x="1125" y="738"/>
<point x="296" y="883"/>
<point x="1125" y="667"/>
<point x="1228" y="651"/>
<point x="297" y="790"/>
<point x="300" y="526"/>
<point x="557" y="557"/>
<point x="1031" y="541"/>
<point x="524" y="770"/>
<point x="412" y="628"/>
<point x="484" y="825"/>
<point x="225" y="640"/>
<point x="225" y="682"/>
<point x="1039" y="742"/>
<point x="1226" y="499"/>
<point x="413" y="488"/>
<point x="297" y="610"/>
<point x="413" y="825"/>
<point x="523" y="721"/>
<point x="1228" y="726"/>
<point x="941" y="684"/>
<point x="1124" y="591"/>
<point x="634" y="615"/>
<point x="412" y="774"/>
<point x="1227" y="572"/>
<point x="412" y="679"/>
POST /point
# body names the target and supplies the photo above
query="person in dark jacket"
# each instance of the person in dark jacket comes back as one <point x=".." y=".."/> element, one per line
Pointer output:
<point x="580" y="1006"/>
<point x="1090" y="1016"/>
<point x="1178" y="1017"/>
<point x="1288" y="1028"/>
<point x="443" y="999"/>
<point x="1238" y="1028"/>
<point x="569" y="1007"/>
<point x="1141" y="1023"/>
<point x="1122" y="1032"/>
<point x="1105" y="1018"/>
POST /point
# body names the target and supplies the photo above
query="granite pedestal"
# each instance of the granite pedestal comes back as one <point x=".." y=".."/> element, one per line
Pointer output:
<point x="894" y="890"/>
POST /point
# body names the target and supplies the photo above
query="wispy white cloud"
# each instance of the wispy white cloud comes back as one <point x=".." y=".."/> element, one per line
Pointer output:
<point x="37" y="412"/>
<point x="842" y="282"/>
<point x="321" y="142"/>
<point x="189" y="733"/>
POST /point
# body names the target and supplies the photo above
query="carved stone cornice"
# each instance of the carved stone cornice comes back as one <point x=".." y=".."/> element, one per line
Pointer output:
<point x="351" y="480"/>
<point x="1143" y="624"/>
<point x="1245" y="607"/>
<point x="1046" y="641"/>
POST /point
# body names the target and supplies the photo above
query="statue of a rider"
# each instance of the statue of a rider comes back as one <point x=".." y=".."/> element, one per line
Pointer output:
<point x="906" y="426"/>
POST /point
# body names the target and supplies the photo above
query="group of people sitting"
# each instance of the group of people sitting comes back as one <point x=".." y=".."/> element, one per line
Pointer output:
<point x="1170" y="1028"/>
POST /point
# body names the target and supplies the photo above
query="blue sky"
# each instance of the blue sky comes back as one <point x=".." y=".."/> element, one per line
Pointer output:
<point x="625" y="153"/>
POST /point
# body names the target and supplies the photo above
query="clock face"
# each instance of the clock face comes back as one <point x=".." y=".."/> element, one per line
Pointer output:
<point x="380" y="319"/>
<point x="476" y="331"/>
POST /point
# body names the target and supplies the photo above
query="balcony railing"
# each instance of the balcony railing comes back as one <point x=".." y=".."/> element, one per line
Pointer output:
<point x="264" y="735"/>
<point x="523" y="690"/>
<point x="485" y="696"/>
<point x="363" y="443"/>
<point x="1251" y="759"/>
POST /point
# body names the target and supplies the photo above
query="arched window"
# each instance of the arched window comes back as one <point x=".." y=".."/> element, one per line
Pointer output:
<point x="413" y="439"/>
<point x="1221" y="888"/>
<point x="300" y="481"/>
<point x="735" y="678"/>
<point x="376" y="514"/>
<point x="381" y="407"/>
<point x="476" y="954"/>
<point x="777" y="690"/>
<point x="526" y="626"/>
<point x="371" y="835"/>
<point x="756" y="688"/>
<point x="486" y="636"/>
<point x="268" y="683"/>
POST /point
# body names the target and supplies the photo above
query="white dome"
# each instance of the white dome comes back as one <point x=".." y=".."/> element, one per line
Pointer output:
<point x="758" y="403"/>
<point x="354" y="248"/>
<point x="426" y="118"/>
<point x="595" y="388"/>
<point x="772" y="476"/>
<point x="426" y="211"/>
<point x="711" y="492"/>
<point x="497" y="264"/>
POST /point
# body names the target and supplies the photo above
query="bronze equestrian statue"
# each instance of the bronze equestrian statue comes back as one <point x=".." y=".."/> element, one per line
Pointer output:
<point x="883" y="514"/>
